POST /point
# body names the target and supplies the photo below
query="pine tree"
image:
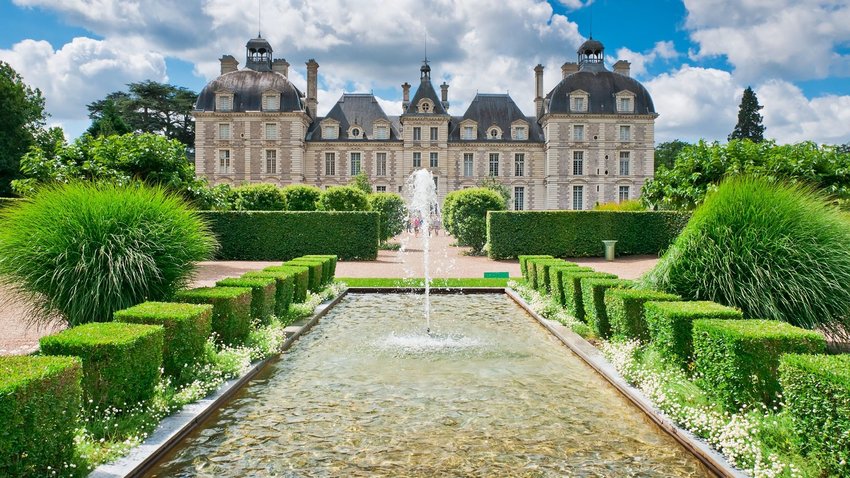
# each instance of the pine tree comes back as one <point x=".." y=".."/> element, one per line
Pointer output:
<point x="749" y="120"/>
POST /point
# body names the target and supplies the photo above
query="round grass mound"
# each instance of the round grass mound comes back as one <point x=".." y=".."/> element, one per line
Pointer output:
<point x="82" y="251"/>
<point x="775" y="251"/>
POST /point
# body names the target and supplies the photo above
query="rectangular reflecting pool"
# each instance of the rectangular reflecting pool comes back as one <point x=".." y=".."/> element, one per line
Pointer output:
<point x="488" y="393"/>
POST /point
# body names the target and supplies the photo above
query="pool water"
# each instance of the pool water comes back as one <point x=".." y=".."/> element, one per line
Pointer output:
<point x="488" y="393"/>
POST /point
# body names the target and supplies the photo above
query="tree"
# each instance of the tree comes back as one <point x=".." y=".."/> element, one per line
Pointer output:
<point x="665" y="153"/>
<point x="749" y="120"/>
<point x="301" y="197"/>
<point x="465" y="215"/>
<point x="109" y="121"/>
<point x="361" y="182"/>
<point x="343" y="198"/>
<point x="22" y="120"/>
<point x="494" y="184"/>
<point x="393" y="213"/>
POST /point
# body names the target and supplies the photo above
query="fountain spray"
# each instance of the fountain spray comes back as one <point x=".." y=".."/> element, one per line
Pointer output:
<point x="422" y="201"/>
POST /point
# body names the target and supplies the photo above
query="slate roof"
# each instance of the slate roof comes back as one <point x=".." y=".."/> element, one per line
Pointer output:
<point x="426" y="90"/>
<point x="362" y="109"/>
<point x="494" y="109"/>
<point x="602" y="86"/>
<point x="248" y="87"/>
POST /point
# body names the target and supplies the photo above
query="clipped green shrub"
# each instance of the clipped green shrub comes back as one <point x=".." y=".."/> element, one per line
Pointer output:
<point x="465" y="215"/>
<point x="593" y="298"/>
<point x="541" y="272"/>
<point x="625" y="310"/>
<point x="316" y="271"/>
<point x="535" y="280"/>
<point x="580" y="233"/>
<point x="301" y="197"/>
<point x="273" y="236"/>
<point x="343" y="198"/>
<point x="40" y="399"/>
<point x="121" y="362"/>
<point x="186" y="328"/>
<point x="816" y="391"/>
<point x="393" y="213"/>
<point x="326" y="262"/>
<point x="301" y="274"/>
<point x="87" y="250"/>
<point x="231" y="316"/>
<point x="556" y="279"/>
<point x="523" y="260"/>
<point x="737" y="361"/>
<point x="571" y="286"/>
<point x="772" y="250"/>
<point x="670" y="325"/>
<point x="259" y="197"/>
<point x="284" y="289"/>
<point x="330" y="270"/>
<point x="263" y="294"/>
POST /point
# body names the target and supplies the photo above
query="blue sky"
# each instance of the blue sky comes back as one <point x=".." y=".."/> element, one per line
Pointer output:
<point x="694" y="56"/>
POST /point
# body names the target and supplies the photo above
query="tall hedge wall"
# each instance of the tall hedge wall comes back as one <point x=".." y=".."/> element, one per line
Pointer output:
<point x="279" y="235"/>
<point x="580" y="233"/>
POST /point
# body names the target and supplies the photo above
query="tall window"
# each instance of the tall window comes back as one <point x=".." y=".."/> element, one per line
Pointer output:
<point x="468" y="165"/>
<point x="355" y="163"/>
<point x="578" y="163"/>
<point x="224" y="103"/>
<point x="330" y="164"/>
<point x="224" y="161"/>
<point x="520" y="133"/>
<point x="624" y="163"/>
<point x="417" y="133"/>
<point x="330" y="132"/>
<point x="519" y="198"/>
<point x="494" y="164"/>
<point x="578" y="198"/>
<point x="271" y="102"/>
<point x="625" y="105"/>
<point x="578" y="104"/>
<point x="435" y="132"/>
<point x="519" y="164"/>
<point x="468" y="132"/>
<point x="271" y="130"/>
<point x="417" y="159"/>
<point x="434" y="159"/>
<point x="578" y="132"/>
<point x="382" y="132"/>
<point x="625" y="133"/>
<point x="623" y="194"/>
<point x="224" y="131"/>
<point x="271" y="161"/>
<point x="380" y="164"/>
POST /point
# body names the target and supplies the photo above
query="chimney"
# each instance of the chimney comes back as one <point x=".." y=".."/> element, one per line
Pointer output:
<point x="281" y="66"/>
<point x="405" y="91"/>
<point x="312" y="87"/>
<point x="569" y="68"/>
<point x="538" y="89"/>
<point x="228" y="64"/>
<point x="444" y="95"/>
<point x="622" y="67"/>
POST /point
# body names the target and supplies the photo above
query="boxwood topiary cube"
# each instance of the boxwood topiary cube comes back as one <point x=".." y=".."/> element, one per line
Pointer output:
<point x="738" y="360"/>
<point x="571" y="286"/>
<point x="187" y="327"/>
<point x="301" y="276"/>
<point x="283" y="291"/>
<point x="542" y="267"/>
<point x="817" y="396"/>
<point x="39" y="403"/>
<point x="263" y="290"/>
<point x="121" y="362"/>
<point x="593" y="298"/>
<point x="626" y="313"/>
<point x="523" y="263"/>
<point x="556" y="274"/>
<point x="329" y="264"/>
<point x="315" y="268"/>
<point x="670" y="325"/>
<point x="531" y="270"/>
<point x="231" y="316"/>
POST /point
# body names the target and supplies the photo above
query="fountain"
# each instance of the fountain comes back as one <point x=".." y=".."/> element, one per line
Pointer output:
<point x="421" y="203"/>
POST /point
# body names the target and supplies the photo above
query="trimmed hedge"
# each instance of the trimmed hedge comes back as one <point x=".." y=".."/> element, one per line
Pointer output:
<point x="670" y="325"/>
<point x="187" y="327"/>
<point x="523" y="260"/>
<point x="593" y="298"/>
<point x="541" y="271"/>
<point x="40" y="399"/>
<point x="301" y="274"/>
<point x="263" y="294"/>
<point x="120" y="361"/>
<point x="283" y="235"/>
<point x="625" y="311"/>
<point x="231" y="316"/>
<point x="315" y="271"/>
<point x="571" y="287"/>
<point x="330" y="265"/>
<point x="325" y="261"/>
<point x="580" y="233"/>
<point x="817" y="396"/>
<point x="285" y="286"/>
<point x="738" y="360"/>
<point x="556" y="278"/>
<point x="531" y="270"/>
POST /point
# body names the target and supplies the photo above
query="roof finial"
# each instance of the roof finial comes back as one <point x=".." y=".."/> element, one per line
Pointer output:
<point x="591" y="19"/>
<point x="259" y="19"/>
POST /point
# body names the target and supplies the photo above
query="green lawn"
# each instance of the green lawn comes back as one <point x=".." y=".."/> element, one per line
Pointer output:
<point x="419" y="282"/>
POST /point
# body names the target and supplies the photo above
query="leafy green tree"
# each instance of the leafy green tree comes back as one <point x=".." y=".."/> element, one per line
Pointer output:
<point x="343" y="198"/>
<point x="494" y="184"/>
<point x="361" y="182"/>
<point x="259" y="197"/>
<point x="393" y="213"/>
<point x="465" y="215"/>
<point x="22" y="120"/>
<point x="301" y="197"/>
<point x="109" y="122"/>
<point x="749" y="120"/>
<point x="665" y="153"/>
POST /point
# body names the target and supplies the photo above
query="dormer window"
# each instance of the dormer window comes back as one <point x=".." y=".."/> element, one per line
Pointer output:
<point x="224" y="102"/>
<point x="425" y="106"/>
<point x="271" y="102"/>
<point x="494" y="133"/>
<point x="355" y="132"/>
<point x="625" y="105"/>
<point x="382" y="131"/>
<point x="578" y="104"/>
<point x="468" y="133"/>
<point x="520" y="133"/>
<point x="330" y="131"/>
<point x="625" y="102"/>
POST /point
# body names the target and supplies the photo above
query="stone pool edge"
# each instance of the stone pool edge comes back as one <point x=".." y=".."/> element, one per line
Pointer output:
<point x="173" y="428"/>
<point x="593" y="357"/>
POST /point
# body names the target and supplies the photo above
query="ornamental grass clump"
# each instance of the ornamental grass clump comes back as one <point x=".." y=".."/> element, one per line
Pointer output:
<point x="774" y="251"/>
<point x="81" y="251"/>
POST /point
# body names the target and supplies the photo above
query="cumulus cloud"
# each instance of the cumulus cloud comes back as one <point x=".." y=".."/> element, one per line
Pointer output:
<point x="663" y="50"/>
<point x="792" y="117"/>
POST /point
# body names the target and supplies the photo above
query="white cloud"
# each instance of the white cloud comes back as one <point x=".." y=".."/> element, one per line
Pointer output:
<point x="664" y="50"/>
<point x="791" y="117"/>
